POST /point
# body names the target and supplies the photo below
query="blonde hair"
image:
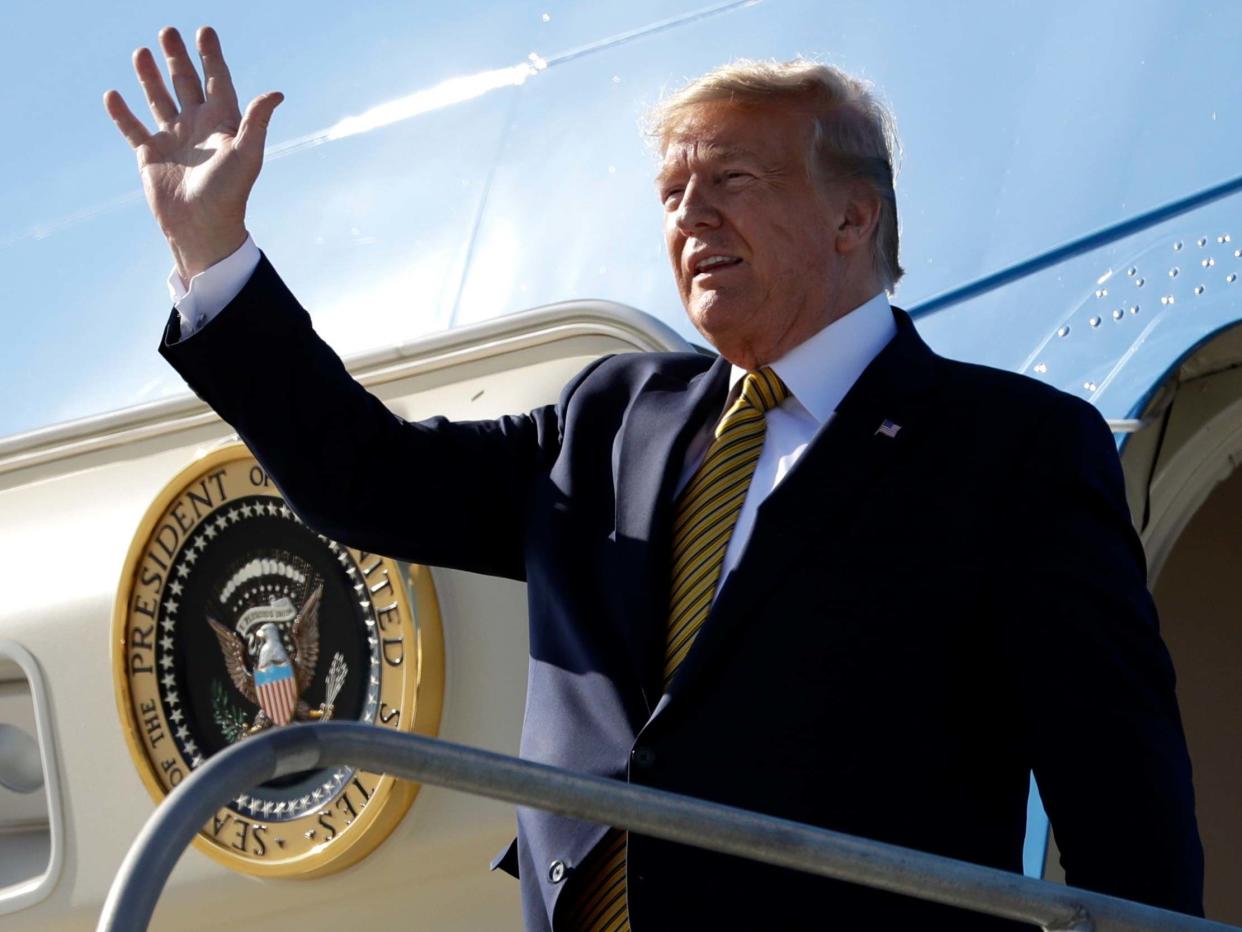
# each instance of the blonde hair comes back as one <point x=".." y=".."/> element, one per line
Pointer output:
<point x="853" y="136"/>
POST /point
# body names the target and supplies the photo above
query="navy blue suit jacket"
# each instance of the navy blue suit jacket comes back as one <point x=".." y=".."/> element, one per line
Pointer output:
<point x="917" y="621"/>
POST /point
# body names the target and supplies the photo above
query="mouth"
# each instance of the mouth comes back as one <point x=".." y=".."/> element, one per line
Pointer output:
<point x="713" y="265"/>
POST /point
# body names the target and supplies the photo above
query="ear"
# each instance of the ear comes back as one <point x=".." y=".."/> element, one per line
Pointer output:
<point x="858" y="218"/>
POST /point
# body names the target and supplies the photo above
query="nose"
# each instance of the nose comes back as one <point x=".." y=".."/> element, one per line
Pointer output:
<point x="696" y="209"/>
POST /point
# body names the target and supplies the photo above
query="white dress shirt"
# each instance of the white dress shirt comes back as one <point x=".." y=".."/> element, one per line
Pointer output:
<point x="817" y="372"/>
<point x="210" y="291"/>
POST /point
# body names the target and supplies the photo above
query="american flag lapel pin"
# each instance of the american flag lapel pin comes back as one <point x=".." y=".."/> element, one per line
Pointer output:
<point x="888" y="428"/>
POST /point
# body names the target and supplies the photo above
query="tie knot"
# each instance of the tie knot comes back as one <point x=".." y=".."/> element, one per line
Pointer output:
<point x="763" y="389"/>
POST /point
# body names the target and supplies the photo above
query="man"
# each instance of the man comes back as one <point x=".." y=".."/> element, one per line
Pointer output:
<point x="829" y="575"/>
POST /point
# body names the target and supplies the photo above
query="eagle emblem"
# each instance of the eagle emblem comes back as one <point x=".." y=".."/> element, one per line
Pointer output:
<point x="272" y="651"/>
<point x="234" y="619"/>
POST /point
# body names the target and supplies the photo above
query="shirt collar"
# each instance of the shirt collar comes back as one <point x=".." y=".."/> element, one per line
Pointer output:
<point x="820" y="370"/>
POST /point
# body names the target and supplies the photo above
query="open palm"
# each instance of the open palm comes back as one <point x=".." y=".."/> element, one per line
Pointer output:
<point x="198" y="169"/>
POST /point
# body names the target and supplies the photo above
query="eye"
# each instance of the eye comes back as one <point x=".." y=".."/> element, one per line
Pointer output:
<point x="671" y="196"/>
<point x="735" y="178"/>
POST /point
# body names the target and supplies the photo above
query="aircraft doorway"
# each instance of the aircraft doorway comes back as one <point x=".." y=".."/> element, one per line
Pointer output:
<point x="1185" y="494"/>
<point x="1199" y="596"/>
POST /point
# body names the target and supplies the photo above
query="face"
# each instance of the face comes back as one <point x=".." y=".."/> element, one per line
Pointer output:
<point x="755" y="239"/>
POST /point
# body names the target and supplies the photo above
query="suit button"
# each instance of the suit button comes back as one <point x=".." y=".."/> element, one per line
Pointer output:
<point x="556" y="871"/>
<point x="642" y="756"/>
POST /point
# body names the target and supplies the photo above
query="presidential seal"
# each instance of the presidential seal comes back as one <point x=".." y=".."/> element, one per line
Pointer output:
<point x="232" y="618"/>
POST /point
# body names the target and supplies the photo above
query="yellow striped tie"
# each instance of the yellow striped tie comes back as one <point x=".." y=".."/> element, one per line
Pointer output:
<point x="597" y="900"/>
<point x="707" y="512"/>
<point x="708" y="509"/>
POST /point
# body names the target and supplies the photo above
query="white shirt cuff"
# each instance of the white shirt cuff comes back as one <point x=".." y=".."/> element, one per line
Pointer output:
<point x="212" y="289"/>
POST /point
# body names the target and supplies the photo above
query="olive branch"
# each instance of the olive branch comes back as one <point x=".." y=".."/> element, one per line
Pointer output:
<point x="229" y="718"/>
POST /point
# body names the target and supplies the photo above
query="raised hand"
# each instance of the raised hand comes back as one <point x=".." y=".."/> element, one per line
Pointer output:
<point x="198" y="169"/>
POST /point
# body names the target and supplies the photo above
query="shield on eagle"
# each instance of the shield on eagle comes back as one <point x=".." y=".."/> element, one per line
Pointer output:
<point x="278" y="692"/>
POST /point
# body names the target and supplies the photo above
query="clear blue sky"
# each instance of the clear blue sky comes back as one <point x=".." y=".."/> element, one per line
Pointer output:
<point x="1024" y="123"/>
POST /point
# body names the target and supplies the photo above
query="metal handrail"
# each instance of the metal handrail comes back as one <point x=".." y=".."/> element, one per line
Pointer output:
<point x="669" y="816"/>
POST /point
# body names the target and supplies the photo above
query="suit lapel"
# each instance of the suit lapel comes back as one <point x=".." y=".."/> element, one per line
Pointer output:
<point x="648" y="457"/>
<point x="848" y="458"/>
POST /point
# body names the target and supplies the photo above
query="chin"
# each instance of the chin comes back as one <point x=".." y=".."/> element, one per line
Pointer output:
<point x="713" y="311"/>
<point x="724" y="324"/>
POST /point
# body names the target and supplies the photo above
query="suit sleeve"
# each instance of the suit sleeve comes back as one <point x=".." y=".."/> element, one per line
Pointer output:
<point x="1096" y="682"/>
<point x="445" y="493"/>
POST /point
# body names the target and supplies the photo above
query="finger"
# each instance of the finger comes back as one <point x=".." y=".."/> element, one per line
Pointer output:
<point x="184" y="78"/>
<point x="158" y="98"/>
<point x="219" y="81"/>
<point x="130" y="126"/>
<point x="252" y="135"/>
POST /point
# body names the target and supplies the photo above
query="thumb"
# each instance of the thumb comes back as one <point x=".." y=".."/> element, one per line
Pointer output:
<point x="252" y="135"/>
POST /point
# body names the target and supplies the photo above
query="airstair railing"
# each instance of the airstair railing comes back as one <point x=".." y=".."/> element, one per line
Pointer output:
<point x="657" y="813"/>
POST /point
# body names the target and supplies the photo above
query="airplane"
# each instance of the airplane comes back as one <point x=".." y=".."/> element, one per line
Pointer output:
<point x="464" y="201"/>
